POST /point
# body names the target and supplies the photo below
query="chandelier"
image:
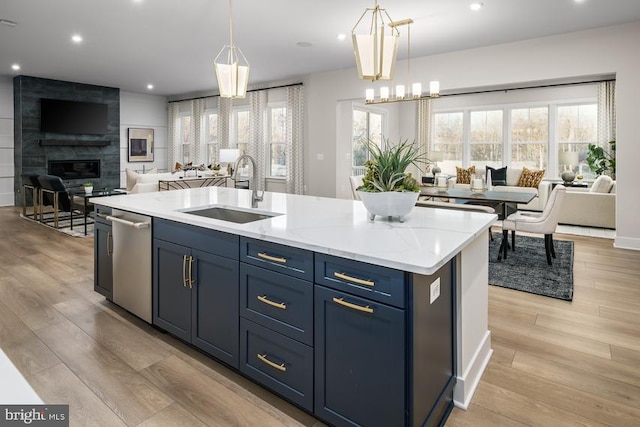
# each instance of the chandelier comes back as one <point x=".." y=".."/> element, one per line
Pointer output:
<point x="375" y="48"/>
<point x="232" y="68"/>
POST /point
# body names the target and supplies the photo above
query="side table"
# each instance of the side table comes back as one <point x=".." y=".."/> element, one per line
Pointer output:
<point x="75" y="195"/>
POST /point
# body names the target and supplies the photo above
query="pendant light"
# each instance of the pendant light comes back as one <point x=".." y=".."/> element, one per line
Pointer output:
<point x="232" y="68"/>
<point x="375" y="49"/>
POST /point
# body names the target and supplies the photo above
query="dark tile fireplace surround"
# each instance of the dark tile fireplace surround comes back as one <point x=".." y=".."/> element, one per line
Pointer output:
<point x="79" y="158"/>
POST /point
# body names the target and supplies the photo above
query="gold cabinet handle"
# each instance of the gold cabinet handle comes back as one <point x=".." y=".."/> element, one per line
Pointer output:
<point x="264" y="299"/>
<point x="109" y="243"/>
<point x="263" y="358"/>
<point x="184" y="271"/>
<point x="190" y="272"/>
<point x="341" y="301"/>
<point x="272" y="258"/>
<point x="354" y="279"/>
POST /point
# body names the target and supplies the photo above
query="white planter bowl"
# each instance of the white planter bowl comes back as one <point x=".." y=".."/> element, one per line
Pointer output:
<point x="389" y="203"/>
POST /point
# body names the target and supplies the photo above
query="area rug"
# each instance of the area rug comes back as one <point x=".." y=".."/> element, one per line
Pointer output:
<point x="64" y="226"/>
<point x="526" y="268"/>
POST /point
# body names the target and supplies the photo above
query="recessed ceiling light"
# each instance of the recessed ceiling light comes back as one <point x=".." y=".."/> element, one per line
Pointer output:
<point x="76" y="38"/>
<point x="476" y="6"/>
<point x="15" y="67"/>
<point x="579" y="1"/>
<point x="149" y="86"/>
<point x="342" y="36"/>
<point x="304" y="44"/>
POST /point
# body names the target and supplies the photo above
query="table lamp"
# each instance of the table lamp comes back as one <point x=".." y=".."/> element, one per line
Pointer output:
<point x="568" y="159"/>
<point x="229" y="156"/>
<point x="435" y="157"/>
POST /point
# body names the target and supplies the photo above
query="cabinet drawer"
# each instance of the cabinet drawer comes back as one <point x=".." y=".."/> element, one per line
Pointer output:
<point x="380" y="284"/>
<point x="284" y="259"/>
<point x="277" y="362"/>
<point x="212" y="241"/>
<point x="277" y="301"/>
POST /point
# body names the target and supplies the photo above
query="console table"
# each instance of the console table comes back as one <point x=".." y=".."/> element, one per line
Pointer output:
<point x="184" y="183"/>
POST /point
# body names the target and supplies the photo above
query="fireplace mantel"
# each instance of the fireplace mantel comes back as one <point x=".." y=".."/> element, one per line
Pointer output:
<point x="60" y="142"/>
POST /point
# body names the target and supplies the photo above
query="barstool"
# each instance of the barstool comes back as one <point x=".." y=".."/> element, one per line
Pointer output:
<point x="30" y="182"/>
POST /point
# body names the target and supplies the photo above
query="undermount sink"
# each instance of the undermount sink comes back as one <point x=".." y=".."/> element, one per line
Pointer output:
<point x="231" y="215"/>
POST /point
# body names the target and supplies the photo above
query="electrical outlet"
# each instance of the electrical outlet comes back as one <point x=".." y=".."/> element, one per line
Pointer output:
<point x="434" y="291"/>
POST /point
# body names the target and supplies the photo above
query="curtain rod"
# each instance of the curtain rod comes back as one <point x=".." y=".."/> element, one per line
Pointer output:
<point x="527" y="87"/>
<point x="251" y="90"/>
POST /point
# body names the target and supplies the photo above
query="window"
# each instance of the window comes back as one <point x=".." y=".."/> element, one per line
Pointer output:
<point x="367" y="125"/>
<point x="577" y="127"/>
<point x="277" y="116"/>
<point x="211" y="129"/>
<point x="486" y="128"/>
<point x="448" y="138"/>
<point x="529" y="137"/>
<point x="240" y="129"/>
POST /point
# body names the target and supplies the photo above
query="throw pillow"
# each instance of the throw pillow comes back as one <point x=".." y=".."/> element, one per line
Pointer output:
<point x="530" y="178"/>
<point x="132" y="179"/>
<point x="602" y="184"/>
<point x="498" y="176"/>
<point x="463" y="176"/>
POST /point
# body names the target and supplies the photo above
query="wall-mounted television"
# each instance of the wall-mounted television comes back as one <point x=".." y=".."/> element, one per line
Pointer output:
<point x="58" y="116"/>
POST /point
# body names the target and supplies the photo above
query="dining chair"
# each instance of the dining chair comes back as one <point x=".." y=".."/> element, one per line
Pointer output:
<point x="55" y="194"/>
<point x="538" y="223"/>
<point x="355" y="181"/>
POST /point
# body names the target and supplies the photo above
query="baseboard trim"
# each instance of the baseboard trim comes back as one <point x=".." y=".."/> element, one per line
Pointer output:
<point x="626" y="243"/>
<point x="467" y="383"/>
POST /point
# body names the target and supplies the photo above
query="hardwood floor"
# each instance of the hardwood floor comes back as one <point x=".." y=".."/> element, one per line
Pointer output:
<point x="555" y="363"/>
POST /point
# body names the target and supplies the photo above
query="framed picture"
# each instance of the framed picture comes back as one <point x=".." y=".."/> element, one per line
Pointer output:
<point x="140" y="145"/>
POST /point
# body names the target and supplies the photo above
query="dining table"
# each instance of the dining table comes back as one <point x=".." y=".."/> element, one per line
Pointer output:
<point x="507" y="200"/>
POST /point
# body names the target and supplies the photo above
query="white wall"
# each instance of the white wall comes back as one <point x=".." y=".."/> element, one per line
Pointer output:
<point x="143" y="111"/>
<point x="603" y="51"/>
<point x="6" y="142"/>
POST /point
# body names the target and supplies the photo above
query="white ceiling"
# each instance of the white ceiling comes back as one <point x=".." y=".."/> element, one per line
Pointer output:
<point x="172" y="43"/>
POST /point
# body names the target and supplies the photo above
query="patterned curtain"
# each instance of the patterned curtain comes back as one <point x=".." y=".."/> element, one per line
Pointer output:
<point x="424" y="129"/>
<point x="224" y="123"/>
<point x="174" y="153"/>
<point x="198" y="125"/>
<point x="257" y="135"/>
<point x="295" y="135"/>
<point x="606" y="113"/>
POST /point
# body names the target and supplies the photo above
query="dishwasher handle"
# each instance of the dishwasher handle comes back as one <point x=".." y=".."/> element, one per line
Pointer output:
<point x="145" y="224"/>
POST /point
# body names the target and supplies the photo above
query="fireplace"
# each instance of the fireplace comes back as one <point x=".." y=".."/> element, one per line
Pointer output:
<point x="75" y="169"/>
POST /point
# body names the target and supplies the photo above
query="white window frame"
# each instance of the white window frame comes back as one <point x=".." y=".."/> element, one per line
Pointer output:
<point x="233" y="135"/>
<point x="273" y="106"/>
<point x="359" y="170"/>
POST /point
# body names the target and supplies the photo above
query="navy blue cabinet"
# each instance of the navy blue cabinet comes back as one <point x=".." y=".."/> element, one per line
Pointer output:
<point x="276" y="328"/>
<point x="196" y="292"/>
<point x="360" y="371"/>
<point x="103" y="264"/>
<point x="384" y="344"/>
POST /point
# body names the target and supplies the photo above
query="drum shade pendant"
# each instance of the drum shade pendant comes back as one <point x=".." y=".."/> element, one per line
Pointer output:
<point x="232" y="68"/>
<point x="377" y="46"/>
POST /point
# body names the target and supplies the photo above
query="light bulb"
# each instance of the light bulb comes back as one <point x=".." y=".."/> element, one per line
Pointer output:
<point x="399" y="91"/>
<point x="369" y="95"/>
<point x="416" y="90"/>
<point x="384" y="93"/>
<point x="434" y="88"/>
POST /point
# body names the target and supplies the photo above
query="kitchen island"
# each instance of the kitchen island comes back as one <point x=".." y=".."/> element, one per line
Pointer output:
<point x="358" y="322"/>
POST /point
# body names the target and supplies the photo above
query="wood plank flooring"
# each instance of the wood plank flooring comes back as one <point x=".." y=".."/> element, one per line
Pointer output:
<point x="555" y="363"/>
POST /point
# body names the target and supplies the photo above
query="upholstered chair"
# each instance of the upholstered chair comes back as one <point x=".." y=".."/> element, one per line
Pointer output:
<point x="457" y="206"/>
<point x="539" y="223"/>
<point x="355" y="181"/>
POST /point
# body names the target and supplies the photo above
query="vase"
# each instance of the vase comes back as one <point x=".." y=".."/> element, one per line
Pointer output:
<point x="88" y="190"/>
<point x="389" y="203"/>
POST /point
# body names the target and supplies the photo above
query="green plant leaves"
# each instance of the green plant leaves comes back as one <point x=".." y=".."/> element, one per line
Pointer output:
<point x="386" y="169"/>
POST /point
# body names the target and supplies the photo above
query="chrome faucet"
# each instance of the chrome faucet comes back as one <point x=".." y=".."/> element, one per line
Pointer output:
<point x="255" y="197"/>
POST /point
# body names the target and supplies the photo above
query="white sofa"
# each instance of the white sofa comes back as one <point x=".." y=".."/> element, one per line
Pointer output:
<point x="593" y="207"/>
<point x="148" y="182"/>
<point x="513" y="176"/>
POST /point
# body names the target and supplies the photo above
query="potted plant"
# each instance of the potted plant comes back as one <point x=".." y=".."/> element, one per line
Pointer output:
<point x="387" y="189"/>
<point x="601" y="161"/>
<point x="88" y="187"/>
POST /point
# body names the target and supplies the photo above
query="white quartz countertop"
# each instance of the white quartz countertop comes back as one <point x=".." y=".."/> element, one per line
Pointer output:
<point x="424" y="242"/>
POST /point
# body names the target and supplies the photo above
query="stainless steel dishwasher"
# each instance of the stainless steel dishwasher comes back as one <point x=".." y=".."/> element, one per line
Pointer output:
<point x="132" y="262"/>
